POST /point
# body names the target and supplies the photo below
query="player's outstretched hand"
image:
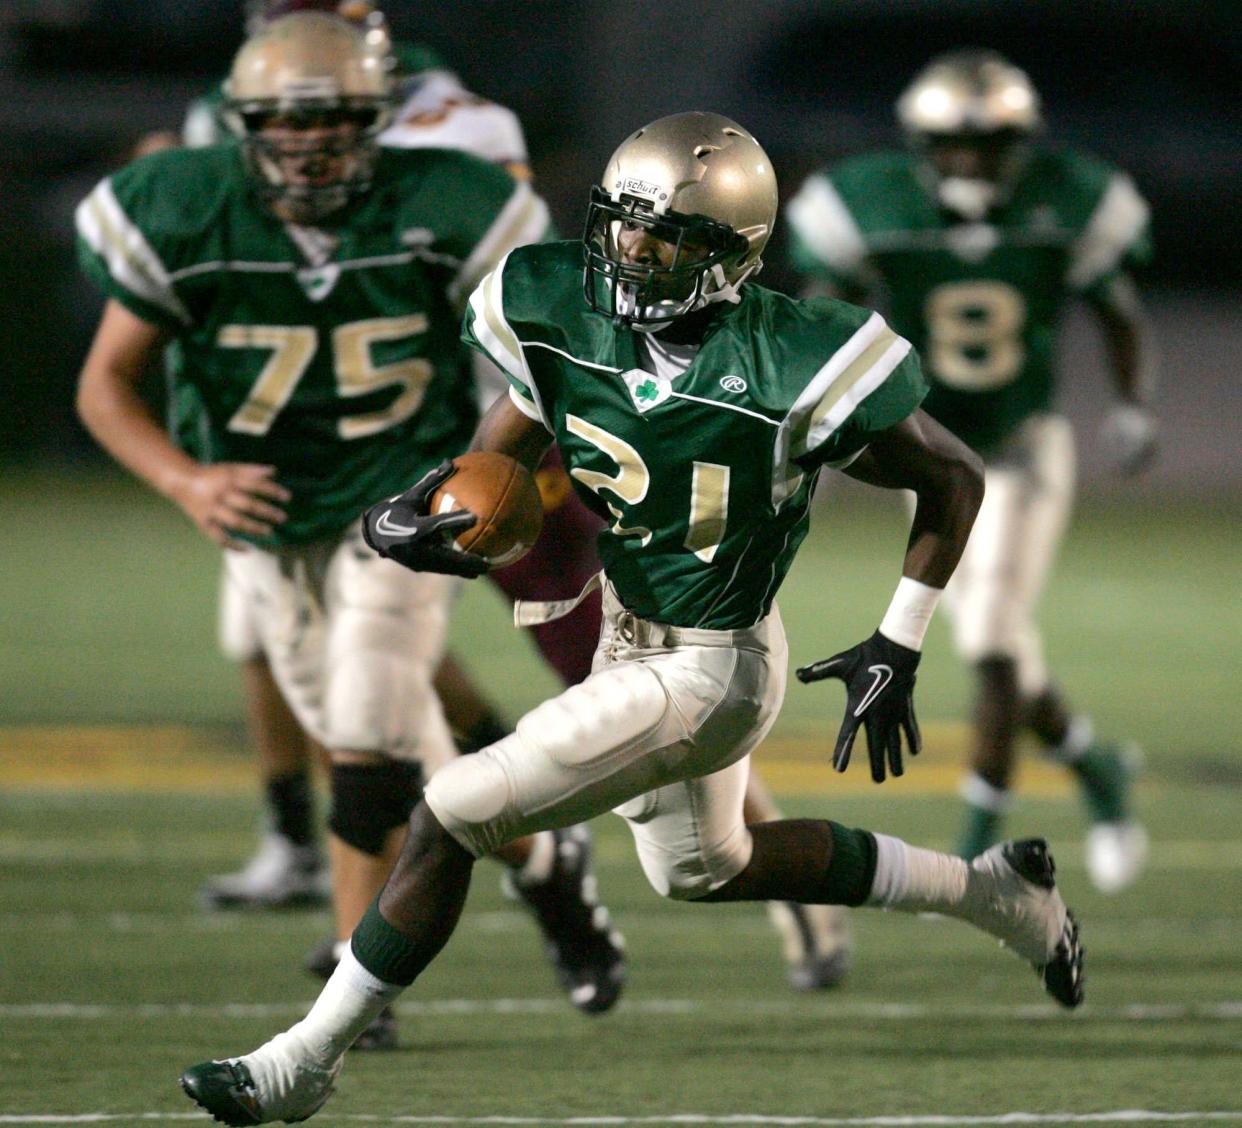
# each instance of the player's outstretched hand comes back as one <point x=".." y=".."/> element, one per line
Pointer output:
<point x="403" y="530"/>
<point x="879" y="696"/>
<point x="225" y="499"/>
<point x="1130" y="437"/>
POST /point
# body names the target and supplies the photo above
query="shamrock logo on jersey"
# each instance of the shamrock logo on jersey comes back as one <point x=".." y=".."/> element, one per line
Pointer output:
<point x="646" y="390"/>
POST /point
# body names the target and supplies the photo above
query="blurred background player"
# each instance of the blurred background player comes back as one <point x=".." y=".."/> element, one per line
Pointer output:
<point x="977" y="234"/>
<point x="307" y="284"/>
<point x="433" y="110"/>
<point x="436" y="110"/>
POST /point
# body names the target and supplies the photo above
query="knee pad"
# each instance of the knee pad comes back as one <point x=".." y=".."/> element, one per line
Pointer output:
<point x="379" y="689"/>
<point x="471" y="798"/>
<point x="369" y="800"/>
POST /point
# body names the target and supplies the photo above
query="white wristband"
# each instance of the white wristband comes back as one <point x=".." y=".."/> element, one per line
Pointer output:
<point x="905" y="621"/>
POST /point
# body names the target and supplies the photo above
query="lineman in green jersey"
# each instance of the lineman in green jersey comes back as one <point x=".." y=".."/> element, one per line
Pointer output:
<point x="309" y="285"/>
<point x="977" y="237"/>
<point x="289" y="867"/>
<point x="695" y="410"/>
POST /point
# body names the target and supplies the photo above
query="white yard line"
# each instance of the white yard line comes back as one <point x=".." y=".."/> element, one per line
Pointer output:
<point x="1220" y="1011"/>
<point x="917" y="1120"/>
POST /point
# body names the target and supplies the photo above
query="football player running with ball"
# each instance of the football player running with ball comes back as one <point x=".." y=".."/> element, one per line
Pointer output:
<point x="309" y="284"/>
<point x="436" y="111"/>
<point x="978" y="235"/>
<point x="694" y="410"/>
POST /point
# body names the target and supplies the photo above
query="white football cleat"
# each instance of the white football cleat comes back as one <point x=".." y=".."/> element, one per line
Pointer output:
<point x="1013" y="895"/>
<point x="817" y="943"/>
<point x="279" y="1081"/>
<point x="280" y="875"/>
<point x="1116" y="853"/>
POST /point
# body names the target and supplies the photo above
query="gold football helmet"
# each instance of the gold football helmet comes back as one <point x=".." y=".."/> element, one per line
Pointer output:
<point x="309" y="96"/>
<point x="969" y="91"/>
<point x="259" y="13"/>
<point x="698" y="187"/>
<point x="969" y="114"/>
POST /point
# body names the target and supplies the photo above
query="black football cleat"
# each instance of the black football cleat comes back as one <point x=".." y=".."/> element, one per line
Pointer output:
<point x="586" y="951"/>
<point x="1022" y="907"/>
<point x="226" y="1090"/>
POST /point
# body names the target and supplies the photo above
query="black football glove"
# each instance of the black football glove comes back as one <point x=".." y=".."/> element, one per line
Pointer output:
<point x="879" y="695"/>
<point x="401" y="529"/>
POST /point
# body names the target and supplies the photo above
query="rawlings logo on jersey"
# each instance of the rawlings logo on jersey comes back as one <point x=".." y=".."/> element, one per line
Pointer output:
<point x="647" y="391"/>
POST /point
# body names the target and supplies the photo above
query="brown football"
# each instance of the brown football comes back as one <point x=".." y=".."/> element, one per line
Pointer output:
<point x="502" y="494"/>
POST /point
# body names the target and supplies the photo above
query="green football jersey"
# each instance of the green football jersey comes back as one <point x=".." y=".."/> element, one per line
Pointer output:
<point x="334" y="354"/>
<point x="705" y="478"/>
<point x="980" y="301"/>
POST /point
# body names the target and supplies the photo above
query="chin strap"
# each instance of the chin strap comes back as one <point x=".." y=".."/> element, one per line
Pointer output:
<point x="724" y="290"/>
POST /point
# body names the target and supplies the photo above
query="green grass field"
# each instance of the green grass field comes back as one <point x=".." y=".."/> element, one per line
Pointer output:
<point x="125" y="781"/>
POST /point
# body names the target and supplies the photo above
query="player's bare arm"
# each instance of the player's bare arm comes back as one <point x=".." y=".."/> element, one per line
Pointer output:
<point x="947" y="477"/>
<point x="1129" y="429"/>
<point x="919" y="454"/>
<point x="505" y="429"/>
<point x="223" y="499"/>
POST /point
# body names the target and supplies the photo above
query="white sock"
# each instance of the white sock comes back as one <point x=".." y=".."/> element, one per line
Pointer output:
<point x="915" y="880"/>
<point x="349" y="1001"/>
<point x="1078" y="738"/>
<point x="979" y="793"/>
<point x="538" y="867"/>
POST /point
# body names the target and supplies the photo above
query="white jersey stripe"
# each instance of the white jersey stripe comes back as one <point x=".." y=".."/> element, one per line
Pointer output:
<point x="522" y="220"/>
<point x="860" y="386"/>
<point x="567" y="356"/>
<point x="524" y="405"/>
<point x="842" y="384"/>
<point x="493" y="331"/>
<point x="823" y="222"/>
<point x="1118" y="220"/>
<point x="130" y="259"/>
<point x="855" y="370"/>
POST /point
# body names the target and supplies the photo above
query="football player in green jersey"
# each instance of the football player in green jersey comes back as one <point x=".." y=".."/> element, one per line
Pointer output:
<point x="437" y="111"/>
<point x="309" y="285"/>
<point x="694" y="410"/>
<point x="433" y="111"/>
<point x="978" y="235"/>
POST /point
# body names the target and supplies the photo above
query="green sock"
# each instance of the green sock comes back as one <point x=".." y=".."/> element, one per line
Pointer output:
<point x="1105" y="782"/>
<point x="386" y="953"/>
<point x="851" y="873"/>
<point x="980" y="830"/>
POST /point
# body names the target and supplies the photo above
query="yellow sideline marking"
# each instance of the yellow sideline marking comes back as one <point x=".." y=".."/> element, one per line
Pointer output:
<point x="137" y="758"/>
<point x="797" y="761"/>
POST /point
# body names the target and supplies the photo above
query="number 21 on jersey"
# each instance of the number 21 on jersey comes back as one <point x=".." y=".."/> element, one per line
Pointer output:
<point x="709" y="489"/>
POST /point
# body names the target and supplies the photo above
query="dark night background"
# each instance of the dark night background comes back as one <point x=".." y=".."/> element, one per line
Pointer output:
<point x="1154" y="87"/>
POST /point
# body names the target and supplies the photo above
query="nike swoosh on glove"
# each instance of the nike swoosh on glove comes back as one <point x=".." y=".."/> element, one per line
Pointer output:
<point x="401" y="529"/>
<point x="879" y="697"/>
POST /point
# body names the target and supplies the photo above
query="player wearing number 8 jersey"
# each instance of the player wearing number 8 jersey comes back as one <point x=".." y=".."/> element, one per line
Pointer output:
<point x="977" y="234"/>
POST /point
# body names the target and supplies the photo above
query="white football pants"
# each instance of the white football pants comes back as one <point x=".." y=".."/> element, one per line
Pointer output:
<point x="993" y="594"/>
<point x="660" y="733"/>
<point x="353" y="641"/>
